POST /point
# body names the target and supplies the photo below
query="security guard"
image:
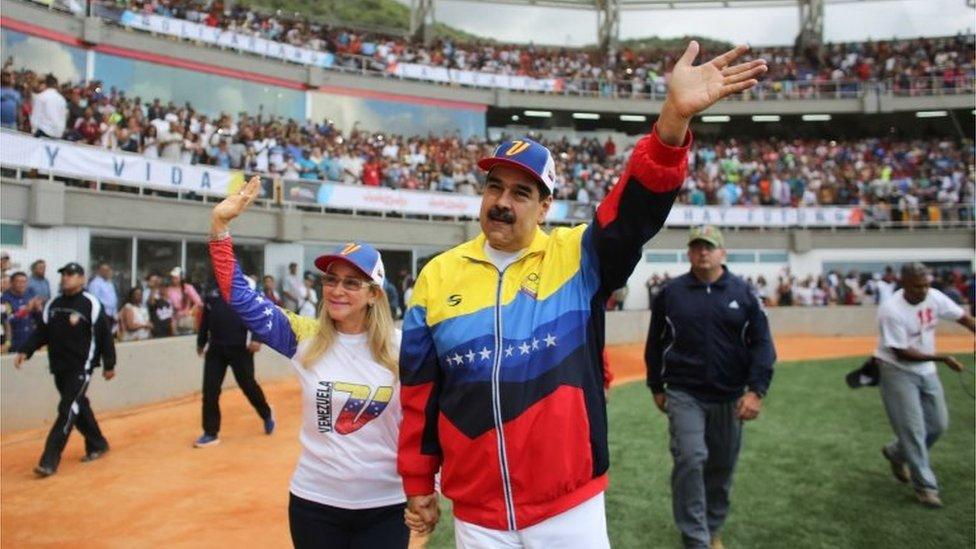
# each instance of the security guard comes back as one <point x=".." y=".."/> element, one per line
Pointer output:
<point x="224" y="341"/>
<point x="709" y="362"/>
<point x="77" y="332"/>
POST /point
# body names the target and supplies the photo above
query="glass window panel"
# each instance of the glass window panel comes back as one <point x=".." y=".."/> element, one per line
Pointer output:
<point x="157" y="257"/>
<point x="661" y="257"/>
<point x="741" y="257"/>
<point x="774" y="257"/>
<point x="11" y="234"/>
<point x="117" y="252"/>
<point x="208" y="93"/>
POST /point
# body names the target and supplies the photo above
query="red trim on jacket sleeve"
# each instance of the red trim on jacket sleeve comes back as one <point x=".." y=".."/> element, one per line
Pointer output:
<point x="658" y="167"/>
<point x="416" y="468"/>
<point x="222" y="257"/>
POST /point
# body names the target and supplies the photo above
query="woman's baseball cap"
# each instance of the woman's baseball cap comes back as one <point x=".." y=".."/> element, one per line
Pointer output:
<point x="361" y="256"/>
<point x="528" y="156"/>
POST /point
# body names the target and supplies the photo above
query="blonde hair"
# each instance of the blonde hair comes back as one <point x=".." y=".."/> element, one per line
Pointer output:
<point x="379" y="334"/>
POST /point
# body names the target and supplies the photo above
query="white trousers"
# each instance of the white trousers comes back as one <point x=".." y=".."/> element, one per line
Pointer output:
<point x="583" y="527"/>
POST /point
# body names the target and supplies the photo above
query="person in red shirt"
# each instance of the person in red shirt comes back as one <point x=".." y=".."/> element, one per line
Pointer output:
<point x="88" y="127"/>
<point x="372" y="172"/>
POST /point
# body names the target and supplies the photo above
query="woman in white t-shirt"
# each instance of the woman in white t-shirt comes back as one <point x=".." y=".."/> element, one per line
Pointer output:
<point x="307" y="300"/>
<point x="134" y="319"/>
<point x="345" y="491"/>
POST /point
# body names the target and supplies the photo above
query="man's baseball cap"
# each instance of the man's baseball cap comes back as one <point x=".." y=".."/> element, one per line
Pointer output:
<point x="868" y="375"/>
<point x="528" y="156"/>
<point x="707" y="233"/>
<point x="72" y="269"/>
<point x="363" y="257"/>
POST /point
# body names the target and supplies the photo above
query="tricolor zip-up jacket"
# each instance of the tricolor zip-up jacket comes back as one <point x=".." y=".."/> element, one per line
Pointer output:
<point x="501" y="372"/>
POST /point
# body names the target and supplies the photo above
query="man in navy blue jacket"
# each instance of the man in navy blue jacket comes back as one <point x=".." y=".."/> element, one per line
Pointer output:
<point x="709" y="362"/>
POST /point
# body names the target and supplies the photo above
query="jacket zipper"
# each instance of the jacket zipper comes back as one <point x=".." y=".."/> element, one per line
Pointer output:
<point x="496" y="405"/>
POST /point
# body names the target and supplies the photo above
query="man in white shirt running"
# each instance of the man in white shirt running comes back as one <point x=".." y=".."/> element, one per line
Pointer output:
<point x="910" y="387"/>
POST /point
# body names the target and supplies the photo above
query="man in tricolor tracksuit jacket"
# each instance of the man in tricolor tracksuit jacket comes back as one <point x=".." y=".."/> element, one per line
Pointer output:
<point x="501" y="358"/>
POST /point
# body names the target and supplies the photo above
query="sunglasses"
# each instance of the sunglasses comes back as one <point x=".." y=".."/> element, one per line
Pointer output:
<point x="350" y="284"/>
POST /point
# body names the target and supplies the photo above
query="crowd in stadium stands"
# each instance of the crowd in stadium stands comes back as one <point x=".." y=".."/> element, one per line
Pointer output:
<point x="899" y="180"/>
<point x="911" y="65"/>
<point x="837" y="288"/>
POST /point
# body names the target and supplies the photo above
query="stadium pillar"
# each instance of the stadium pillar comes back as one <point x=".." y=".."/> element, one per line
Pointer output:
<point x="608" y="23"/>
<point x="811" y="27"/>
<point x="422" y="20"/>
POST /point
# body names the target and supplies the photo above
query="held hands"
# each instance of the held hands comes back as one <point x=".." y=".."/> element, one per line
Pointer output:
<point x="422" y="513"/>
<point x="253" y="347"/>
<point x="234" y="205"/>
<point x="692" y="89"/>
<point x="749" y="406"/>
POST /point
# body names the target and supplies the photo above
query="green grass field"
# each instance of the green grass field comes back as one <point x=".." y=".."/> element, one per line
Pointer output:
<point x="810" y="473"/>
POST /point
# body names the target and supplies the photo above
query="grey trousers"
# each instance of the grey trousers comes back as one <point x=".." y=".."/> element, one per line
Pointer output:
<point x="705" y="442"/>
<point x="917" y="412"/>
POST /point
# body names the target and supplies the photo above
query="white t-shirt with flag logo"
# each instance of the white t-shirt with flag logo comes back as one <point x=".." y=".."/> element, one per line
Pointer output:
<point x="350" y="425"/>
<point x="906" y="326"/>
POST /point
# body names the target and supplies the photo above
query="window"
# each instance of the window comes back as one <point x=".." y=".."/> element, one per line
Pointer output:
<point x="117" y="252"/>
<point x="11" y="234"/>
<point x="774" y="257"/>
<point x="741" y="257"/>
<point x="661" y="257"/>
<point x="158" y="257"/>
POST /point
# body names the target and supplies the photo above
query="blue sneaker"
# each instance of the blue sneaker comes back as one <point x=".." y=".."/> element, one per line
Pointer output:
<point x="206" y="440"/>
<point x="269" y="424"/>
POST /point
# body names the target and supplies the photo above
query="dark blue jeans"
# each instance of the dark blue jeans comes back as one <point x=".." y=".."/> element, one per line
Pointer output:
<point x="316" y="526"/>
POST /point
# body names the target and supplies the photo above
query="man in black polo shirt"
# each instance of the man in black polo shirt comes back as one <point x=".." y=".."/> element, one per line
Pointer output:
<point x="77" y="332"/>
<point x="224" y="341"/>
<point x="709" y="362"/>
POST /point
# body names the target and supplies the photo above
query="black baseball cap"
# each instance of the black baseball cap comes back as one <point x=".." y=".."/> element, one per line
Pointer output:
<point x="71" y="269"/>
<point x="868" y="375"/>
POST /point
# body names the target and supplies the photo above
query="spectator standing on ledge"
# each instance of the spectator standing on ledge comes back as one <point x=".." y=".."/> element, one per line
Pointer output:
<point x="292" y="288"/>
<point x="38" y="283"/>
<point x="103" y="287"/>
<point x="709" y="362"/>
<point x="910" y="386"/>
<point x="76" y="330"/>
<point x="185" y="301"/>
<point x="10" y="100"/>
<point x="49" y="110"/>
<point x="22" y="307"/>
<point x="134" y="323"/>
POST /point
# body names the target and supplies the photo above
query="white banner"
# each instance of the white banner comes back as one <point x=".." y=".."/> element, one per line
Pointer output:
<point x="234" y="40"/>
<point x="475" y="78"/>
<point x="764" y="216"/>
<point x="382" y="199"/>
<point x="92" y="163"/>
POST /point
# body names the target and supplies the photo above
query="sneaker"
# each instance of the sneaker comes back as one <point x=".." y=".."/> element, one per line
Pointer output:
<point x="206" y="440"/>
<point x="92" y="456"/>
<point x="928" y="498"/>
<point x="716" y="542"/>
<point x="44" y="471"/>
<point x="269" y="424"/>
<point x="898" y="468"/>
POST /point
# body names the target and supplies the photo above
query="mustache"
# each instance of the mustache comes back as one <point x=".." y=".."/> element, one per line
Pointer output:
<point x="501" y="214"/>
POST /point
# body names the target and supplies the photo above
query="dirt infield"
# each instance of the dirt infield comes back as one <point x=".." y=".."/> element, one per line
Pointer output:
<point x="153" y="489"/>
